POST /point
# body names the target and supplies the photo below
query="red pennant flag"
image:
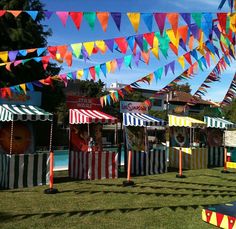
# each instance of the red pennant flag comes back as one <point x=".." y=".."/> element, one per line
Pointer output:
<point x="68" y="58"/>
<point x="77" y="18"/>
<point x="183" y="32"/>
<point x="103" y="19"/>
<point x="174" y="21"/>
<point x="222" y="17"/>
<point x="45" y="60"/>
<point x="92" y="72"/>
<point x="62" y="50"/>
<point x="187" y="57"/>
<point x="149" y="38"/>
<point x="121" y="93"/>
<point x="122" y="44"/>
<point x="2" y="12"/>
<point x="173" y="48"/>
<point x="53" y="51"/>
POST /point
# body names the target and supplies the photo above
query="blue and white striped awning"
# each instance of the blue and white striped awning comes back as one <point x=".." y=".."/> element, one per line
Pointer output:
<point x="218" y="122"/>
<point x="23" y="113"/>
<point x="137" y="119"/>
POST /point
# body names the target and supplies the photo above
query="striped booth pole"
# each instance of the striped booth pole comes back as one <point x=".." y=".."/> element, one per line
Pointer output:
<point x="153" y="162"/>
<point x="93" y="165"/>
<point x="193" y="158"/>
<point x="23" y="170"/>
<point x="215" y="156"/>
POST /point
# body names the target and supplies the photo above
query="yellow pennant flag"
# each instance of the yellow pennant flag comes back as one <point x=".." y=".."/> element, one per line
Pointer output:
<point x="108" y="65"/>
<point x="58" y="58"/>
<point x="155" y="52"/>
<point x="155" y="42"/>
<point x="134" y="20"/>
<point x="4" y="56"/>
<point x="213" y="57"/>
<point x="181" y="61"/>
<point x="233" y="21"/>
<point x="105" y="99"/>
<point x="173" y="38"/>
<point x="76" y="49"/>
<point x="80" y="74"/>
<point x="201" y="40"/>
<point x="101" y="45"/>
<point x="23" y="87"/>
<point x="89" y="47"/>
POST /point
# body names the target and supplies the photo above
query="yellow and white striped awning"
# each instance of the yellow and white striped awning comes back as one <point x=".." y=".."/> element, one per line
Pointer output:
<point x="184" y="121"/>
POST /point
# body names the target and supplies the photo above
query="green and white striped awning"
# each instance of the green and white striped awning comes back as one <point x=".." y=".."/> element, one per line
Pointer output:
<point x="217" y="122"/>
<point x="23" y="113"/>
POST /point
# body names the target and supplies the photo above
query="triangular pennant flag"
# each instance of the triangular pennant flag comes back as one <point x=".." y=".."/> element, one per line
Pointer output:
<point x="48" y="14"/>
<point x="194" y="30"/>
<point x="33" y="14"/>
<point x="45" y="60"/>
<point x="134" y="20"/>
<point x="145" y="45"/>
<point x="173" y="48"/>
<point x="41" y="51"/>
<point x="158" y="73"/>
<point x="122" y="44"/>
<point x="186" y="17"/>
<point x="127" y="60"/>
<point x="160" y="20"/>
<point x="89" y="47"/>
<point x="97" y="70"/>
<point x="101" y="45"/>
<point x="68" y="58"/>
<point x="63" y="15"/>
<point x="113" y="65"/>
<point x="191" y="42"/>
<point x="30" y="86"/>
<point x="12" y="55"/>
<point x="187" y="57"/>
<point x="76" y="18"/>
<point x="103" y="69"/>
<point x="208" y="59"/>
<point x="194" y="54"/>
<point x="139" y="40"/>
<point x="23" y="87"/>
<point x="148" y="20"/>
<point x="155" y="52"/>
<point x="15" y="13"/>
<point x="79" y="74"/>
<point x="62" y="50"/>
<point x="90" y="17"/>
<point x="137" y="58"/>
<point x="174" y="21"/>
<point x="110" y="44"/>
<point x="4" y="56"/>
<point x="172" y="67"/>
<point x="108" y="66"/>
<point x="92" y="73"/>
<point x="173" y="38"/>
<point x="119" y="62"/>
<point x="2" y="12"/>
<point x="183" y="33"/>
<point x="76" y="49"/>
<point x="182" y="45"/>
<point x="131" y="42"/>
<point x="8" y="67"/>
<point x="117" y="19"/>
<point x="146" y="56"/>
<point x="222" y="17"/>
<point x="164" y="44"/>
<point x="149" y="38"/>
<point x="31" y="50"/>
<point x="203" y="60"/>
<point x="197" y="17"/>
<point x="23" y="52"/>
<point x="181" y="61"/>
<point x="103" y="18"/>
<point x="53" y="51"/>
<point x="86" y="73"/>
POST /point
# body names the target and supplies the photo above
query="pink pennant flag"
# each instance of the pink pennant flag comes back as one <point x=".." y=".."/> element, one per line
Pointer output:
<point x="63" y="15"/>
<point x="45" y="61"/>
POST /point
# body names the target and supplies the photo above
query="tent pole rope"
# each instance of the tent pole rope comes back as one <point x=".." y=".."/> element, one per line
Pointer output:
<point x="11" y="140"/>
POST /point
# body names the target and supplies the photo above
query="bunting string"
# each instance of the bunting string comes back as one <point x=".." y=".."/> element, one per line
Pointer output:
<point x="231" y="93"/>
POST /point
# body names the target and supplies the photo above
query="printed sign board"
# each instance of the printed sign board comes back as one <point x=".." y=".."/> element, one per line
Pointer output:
<point x="230" y="138"/>
<point x="79" y="102"/>
<point x="133" y="107"/>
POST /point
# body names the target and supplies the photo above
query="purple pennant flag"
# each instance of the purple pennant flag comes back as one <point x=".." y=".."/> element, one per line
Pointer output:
<point x="73" y="75"/>
<point x="137" y="58"/>
<point x="160" y="20"/>
<point x="119" y="62"/>
<point x="12" y="55"/>
<point x="194" y="30"/>
<point x="84" y="53"/>
<point x="117" y="19"/>
<point x="166" y="68"/>
<point x="48" y="14"/>
<point x="217" y="31"/>
<point x="186" y="17"/>
<point x="172" y="66"/>
<point x="139" y="40"/>
<point x="182" y="45"/>
<point x="110" y="44"/>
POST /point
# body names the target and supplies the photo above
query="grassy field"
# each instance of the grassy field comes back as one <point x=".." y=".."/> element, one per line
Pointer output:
<point x="158" y="201"/>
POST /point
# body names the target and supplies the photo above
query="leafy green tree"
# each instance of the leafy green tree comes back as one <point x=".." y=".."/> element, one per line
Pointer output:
<point x="230" y="111"/>
<point x="182" y="87"/>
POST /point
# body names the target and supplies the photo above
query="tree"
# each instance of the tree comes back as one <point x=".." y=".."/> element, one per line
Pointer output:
<point x="230" y="111"/>
<point x="23" y="32"/>
<point x="182" y="87"/>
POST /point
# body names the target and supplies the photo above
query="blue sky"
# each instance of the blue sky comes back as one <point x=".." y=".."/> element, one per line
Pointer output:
<point x="69" y="34"/>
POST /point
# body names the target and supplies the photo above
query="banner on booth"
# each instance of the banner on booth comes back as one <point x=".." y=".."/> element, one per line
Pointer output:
<point x="80" y="102"/>
<point x="179" y="137"/>
<point x="133" y="107"/>
<point x="135" y="138"/>
<point x="230" y="138"/>
<point x="214" y="137"/>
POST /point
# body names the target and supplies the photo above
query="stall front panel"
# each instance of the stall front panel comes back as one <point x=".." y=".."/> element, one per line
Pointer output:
<point x="95" y="164"/>
<point x="149" y="161"/>
<point x="21" y="168"/>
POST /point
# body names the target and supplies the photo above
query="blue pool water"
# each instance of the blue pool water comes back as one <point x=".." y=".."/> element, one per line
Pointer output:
<point x="61" y="159"/>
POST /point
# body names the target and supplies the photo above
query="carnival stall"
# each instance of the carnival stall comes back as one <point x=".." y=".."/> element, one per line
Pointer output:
<point x="145" y="160"/>
<point x="215" y="139"/>
<point x="87" y="159"/>
<point x="20" y="164"/>
<point x="185" y="136"/>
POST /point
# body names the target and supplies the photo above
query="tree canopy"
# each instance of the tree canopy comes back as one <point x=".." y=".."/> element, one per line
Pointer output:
<point x="230" y="111"/>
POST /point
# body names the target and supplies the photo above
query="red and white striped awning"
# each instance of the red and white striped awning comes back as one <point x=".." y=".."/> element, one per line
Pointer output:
<point x="81" y="116"/>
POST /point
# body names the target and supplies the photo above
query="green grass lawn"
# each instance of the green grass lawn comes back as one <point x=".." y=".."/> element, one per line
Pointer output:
<point x="157" y="201"/>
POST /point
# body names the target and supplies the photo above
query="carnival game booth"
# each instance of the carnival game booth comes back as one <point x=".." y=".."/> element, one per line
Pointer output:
<point x="87" y="159"/>
<point x="20" y="165"/>
<point x="144" y="160"/>
<point x="185" y="135"/>
<point x="215" y="139"/>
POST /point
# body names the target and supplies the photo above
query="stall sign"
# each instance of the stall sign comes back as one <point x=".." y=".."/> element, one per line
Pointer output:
<point x="133" y="107"/>
<point x="179" y="137"/>
<point x="230" y="138"/>
<point x="135" y="138"/>
<point x="79" y="102"/>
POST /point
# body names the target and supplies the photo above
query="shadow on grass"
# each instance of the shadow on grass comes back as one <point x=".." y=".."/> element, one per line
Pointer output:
<point x="4" y="217"/>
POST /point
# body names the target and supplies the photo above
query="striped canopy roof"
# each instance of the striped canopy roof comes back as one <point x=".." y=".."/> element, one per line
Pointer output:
<point x="81" y="116"/>
<point x="23" y="113"/>
<point x="218" y="122"/>
<point x="137" y="119"/>
<point x="184" y="121"/>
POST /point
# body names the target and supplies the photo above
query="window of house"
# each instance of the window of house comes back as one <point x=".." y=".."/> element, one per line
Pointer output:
<point x="157" y="102"/>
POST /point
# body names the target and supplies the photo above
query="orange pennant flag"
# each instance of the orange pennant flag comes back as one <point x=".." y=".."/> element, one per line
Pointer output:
<point x="174" y="21"/>
<point x="191" y="42"/>
<point x="68" y="58"/>
<point x="8" y="67"/>
<point x="103" y="19"/>
<point x="62" y="50"/>
<point x="15" y="13"/>
<point x="134" y="20"/>
<point x="113" y="66"/>
<point x="146" y="56"/>
<point x="183" y="32"/>
<point x="173" y="48"/>
<point x="31" y="50"/>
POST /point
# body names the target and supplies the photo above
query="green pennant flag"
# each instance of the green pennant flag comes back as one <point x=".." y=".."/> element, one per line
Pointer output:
<point x="76" y="49"/>
<point x="145" y="45"/>
<point x="69" y="76"/>
<point x="164" y="41"/>
<point x="90" y="17"/>
<point x="127" y="60"/>
<point x="197" y="17"/>
<point x="200" y="65"/>
<point x="97" y="70"/>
